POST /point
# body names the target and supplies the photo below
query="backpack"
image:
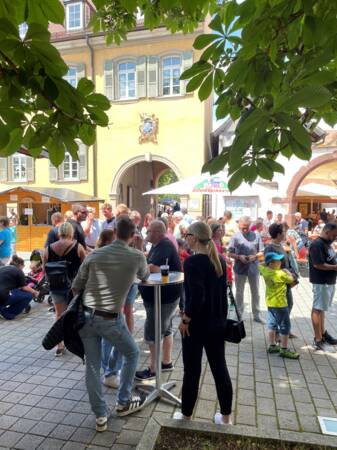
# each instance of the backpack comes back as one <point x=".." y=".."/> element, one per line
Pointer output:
<point x="57" y="273"/>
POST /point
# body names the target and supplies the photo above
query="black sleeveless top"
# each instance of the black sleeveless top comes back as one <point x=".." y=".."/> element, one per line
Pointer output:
<point x="72" y="258"/>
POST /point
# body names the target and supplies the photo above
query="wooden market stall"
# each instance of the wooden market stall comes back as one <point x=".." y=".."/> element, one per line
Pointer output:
<point x="34" y="207"/>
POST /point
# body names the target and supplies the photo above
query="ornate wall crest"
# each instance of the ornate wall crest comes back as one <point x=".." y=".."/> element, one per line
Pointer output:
<point x="148" y="128"/>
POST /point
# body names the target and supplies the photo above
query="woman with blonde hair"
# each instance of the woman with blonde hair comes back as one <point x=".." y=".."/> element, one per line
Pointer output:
<point x="65" y="249"/>
<point x="203" y="323"/>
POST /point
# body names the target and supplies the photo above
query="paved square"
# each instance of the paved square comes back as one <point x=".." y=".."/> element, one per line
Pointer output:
<point x="43" y="400"/>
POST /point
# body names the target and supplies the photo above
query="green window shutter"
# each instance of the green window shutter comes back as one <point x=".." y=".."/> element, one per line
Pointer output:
<point x="152" y="76"/>
<point x="30" y="168"/>
<point x="80" y="70"/>
<point x="3" y="170"/>
<point x="109" y="79"/>
<point x="141" y="76"/>
<point x="83" y="162"/>
<point x="10" y="168"/>
<point x="187" y="62"/>
<point x="60" y="172"/>
<point x="53" y="173"/>
<point x="116" y="80"/>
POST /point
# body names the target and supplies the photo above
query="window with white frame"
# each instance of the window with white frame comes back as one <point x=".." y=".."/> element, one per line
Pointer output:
<point x="70" y="168"/>
<point x="71" y="76"/>
<point x="127" y="80"/>
<point x="171" y="69"/>
<point x="19" y="167"/>
<point x="74" y="13"/>
<point x="23" y="28"/>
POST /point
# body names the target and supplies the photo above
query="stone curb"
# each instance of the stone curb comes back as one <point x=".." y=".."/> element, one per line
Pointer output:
<point x="153" y="428"/>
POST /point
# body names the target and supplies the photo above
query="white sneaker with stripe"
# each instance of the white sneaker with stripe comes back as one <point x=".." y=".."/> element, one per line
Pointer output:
<point x="135" y="404"/>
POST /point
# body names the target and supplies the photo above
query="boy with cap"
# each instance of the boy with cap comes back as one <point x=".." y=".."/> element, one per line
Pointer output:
<point x="276" y="281"/>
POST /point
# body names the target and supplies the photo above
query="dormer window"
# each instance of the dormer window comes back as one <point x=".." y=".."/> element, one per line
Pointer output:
<point x="74" y="16"/>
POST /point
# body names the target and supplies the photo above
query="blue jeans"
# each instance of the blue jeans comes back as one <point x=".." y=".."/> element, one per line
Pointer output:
<point x="112" y="360"/>
<point x="117" y="334"/>
<point x="16" y="302"/>
<point x="278" y="320"/>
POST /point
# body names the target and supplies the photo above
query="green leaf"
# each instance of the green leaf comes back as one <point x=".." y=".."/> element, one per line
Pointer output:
<point x="129" y="5"/>
<point x="85" y="86"/>
<point x="40" y="137"/>
<point x="99" y="101"/>
<point x="236" y="179"/>
<point x="251" y="121"/>
<point x="14" y="142"/>
<point x="56" y="150"/>
<point x="219" y="78"/>
<point x="274" y="166"/>
<point x="239" y="147"/>
<point x="298" y="150"/>
<point x="216" y="164"/>
<point x="309" y="96"/>
<point x="4" y="136"/>
<point x="264" y="170"/>
<point x="195" y="82"/>
<point x="35" y="12"/>
<point x="301" y="135"/>
<point x="87" y="134"/>
<point x="37" y="32"/>
<point x="229" y="15"/>
<point x="216" y="24"/>
<point x="98" y="116"/>
<point x="50" y="89"/>
<point x="198" y="67"/>
<point x="206" y="88"/>
<point x="53" y="10"/>
<point x="204" y="39"/>
<point x="8" y="29"/>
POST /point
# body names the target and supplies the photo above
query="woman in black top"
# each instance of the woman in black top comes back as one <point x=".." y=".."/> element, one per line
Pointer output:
<point x="203" y="323"/>
<point x="65" y="249"/>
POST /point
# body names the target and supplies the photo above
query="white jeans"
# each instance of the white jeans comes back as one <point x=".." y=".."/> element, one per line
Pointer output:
<point x="240" y="282"/>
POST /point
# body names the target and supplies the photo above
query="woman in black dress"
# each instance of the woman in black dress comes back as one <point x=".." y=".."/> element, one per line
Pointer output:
<point x="203" y="323"/>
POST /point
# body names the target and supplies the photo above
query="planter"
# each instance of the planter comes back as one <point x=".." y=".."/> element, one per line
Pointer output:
<point x="181" y="435"/>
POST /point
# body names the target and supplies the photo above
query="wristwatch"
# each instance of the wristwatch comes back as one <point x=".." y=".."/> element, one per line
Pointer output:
<point x="185" y="322"/>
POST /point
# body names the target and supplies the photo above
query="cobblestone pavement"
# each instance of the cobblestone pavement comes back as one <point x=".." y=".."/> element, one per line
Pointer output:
<point x="43" y="400"/>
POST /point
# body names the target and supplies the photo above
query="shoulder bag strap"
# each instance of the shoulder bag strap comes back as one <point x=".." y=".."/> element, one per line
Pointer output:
<point x="68" y="248"/>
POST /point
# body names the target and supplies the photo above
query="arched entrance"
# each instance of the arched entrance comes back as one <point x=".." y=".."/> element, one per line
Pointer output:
<point x="138" y="175"/>
<point x="314" y="186"/>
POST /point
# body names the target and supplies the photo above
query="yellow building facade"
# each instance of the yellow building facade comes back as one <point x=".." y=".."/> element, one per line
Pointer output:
<point x="154" y="125"/>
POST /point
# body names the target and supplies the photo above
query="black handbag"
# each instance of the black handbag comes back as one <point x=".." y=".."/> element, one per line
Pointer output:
<point x="235" y="329"/>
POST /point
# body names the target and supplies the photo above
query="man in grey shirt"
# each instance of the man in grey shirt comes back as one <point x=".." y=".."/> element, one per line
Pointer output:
<point x="243" y="248"/>
<point x="105" y="277"/>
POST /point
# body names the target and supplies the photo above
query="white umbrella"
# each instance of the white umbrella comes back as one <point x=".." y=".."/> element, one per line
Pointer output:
<point x="204" y="184"/>
<point x="321" y="190"/>
<point x="208" y="184"/>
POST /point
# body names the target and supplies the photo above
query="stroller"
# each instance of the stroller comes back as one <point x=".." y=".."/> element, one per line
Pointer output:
<point x="36" y="278"/>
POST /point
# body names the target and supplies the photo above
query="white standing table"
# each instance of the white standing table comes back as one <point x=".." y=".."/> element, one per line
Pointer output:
<point x="160" y="390"/>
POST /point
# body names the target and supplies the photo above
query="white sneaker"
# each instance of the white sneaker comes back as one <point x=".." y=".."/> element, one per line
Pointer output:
<point x="101" y="424"/>
<point x="218" y="420"/>
<point x="178" y="416"/>
<point x="113" y="381"/>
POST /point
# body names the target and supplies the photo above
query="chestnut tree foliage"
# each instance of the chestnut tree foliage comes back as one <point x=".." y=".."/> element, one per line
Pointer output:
<point x="270" y="63"/>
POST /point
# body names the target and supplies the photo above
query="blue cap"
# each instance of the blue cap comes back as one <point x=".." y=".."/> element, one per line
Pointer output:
<point x="272" y="256"/>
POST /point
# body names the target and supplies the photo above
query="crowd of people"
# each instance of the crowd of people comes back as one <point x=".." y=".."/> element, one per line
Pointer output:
<point x="101" y="260"/>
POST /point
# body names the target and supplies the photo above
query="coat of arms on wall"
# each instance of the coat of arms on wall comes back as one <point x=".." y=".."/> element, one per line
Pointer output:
<point x="148" y="128"/>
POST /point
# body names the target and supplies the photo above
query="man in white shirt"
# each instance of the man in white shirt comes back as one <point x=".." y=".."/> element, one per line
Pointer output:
<point x="92" y="228"/>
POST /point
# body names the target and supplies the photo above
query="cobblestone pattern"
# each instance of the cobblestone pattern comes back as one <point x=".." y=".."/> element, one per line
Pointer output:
<point x="43" y="400"/>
